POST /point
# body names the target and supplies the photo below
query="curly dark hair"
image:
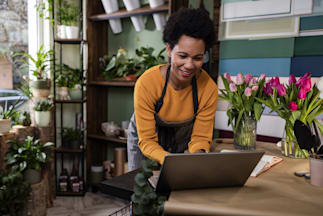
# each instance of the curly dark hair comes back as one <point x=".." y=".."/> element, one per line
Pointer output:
<point x="194" y="23"/>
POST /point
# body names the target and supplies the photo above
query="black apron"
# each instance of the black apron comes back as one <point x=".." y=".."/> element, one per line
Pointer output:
<point x="173" y="137"/>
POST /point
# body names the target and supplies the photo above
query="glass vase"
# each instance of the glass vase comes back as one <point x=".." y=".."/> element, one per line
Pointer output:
<point x="245" y="135"/>
<point x="289" y="146"/>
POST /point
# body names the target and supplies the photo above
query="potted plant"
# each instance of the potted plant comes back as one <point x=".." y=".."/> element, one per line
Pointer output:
<point x="5" y="117"/>
<point x="67" y="16"/>
<point x="39" y="67"/>
<point x="28" y="158"/>
<point x="21" y="118"/>
<point x="42" y="112"/>
<point x="61" y="81"/>
<point x="75" y="83"/>
<point x="14" y="193"/>
<point x="71" y="138"/>
<point x="111" y="6"/>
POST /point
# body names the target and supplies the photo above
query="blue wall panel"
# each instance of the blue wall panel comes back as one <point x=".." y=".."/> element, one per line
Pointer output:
<point x="312" y="64"/>
<point x="256" y="66"/>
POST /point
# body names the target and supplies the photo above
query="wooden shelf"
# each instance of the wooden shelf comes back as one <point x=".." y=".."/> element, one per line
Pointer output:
<point x="68" y="41"/>
<point x="68" y="150"/>
<point x="106" y="138"/>
<point x="70" y="101"/>
<point x="145" y="10"/>
<point x="113" y="83"/>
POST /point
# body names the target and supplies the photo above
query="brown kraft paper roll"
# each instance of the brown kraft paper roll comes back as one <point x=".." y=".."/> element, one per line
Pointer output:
<point x="119" y="160"/>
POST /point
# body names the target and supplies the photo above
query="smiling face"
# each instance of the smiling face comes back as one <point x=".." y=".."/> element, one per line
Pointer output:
<point x="186" y="60"/>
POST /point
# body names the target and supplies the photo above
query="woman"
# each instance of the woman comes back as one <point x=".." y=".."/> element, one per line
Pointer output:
<point x="175" y="103"/>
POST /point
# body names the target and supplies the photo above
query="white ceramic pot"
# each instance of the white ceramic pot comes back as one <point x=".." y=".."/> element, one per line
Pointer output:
<point x="42" y="118"/>
<point x="75" y="94"/>
<point x="160" y="21"/>
<point x="131" y="4"/>
<point x="5" y="126"/>
<point x="110" y="5"/>
<point x="115" y="25"/>
<point x="72" y="32"/>
<point x="138" y="22"/>
<point x="61" y="31"/>
<point x="156" y="3"/>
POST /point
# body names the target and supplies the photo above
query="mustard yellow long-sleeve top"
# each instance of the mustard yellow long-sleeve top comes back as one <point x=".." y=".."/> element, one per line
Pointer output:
<point x="177" y="106"/>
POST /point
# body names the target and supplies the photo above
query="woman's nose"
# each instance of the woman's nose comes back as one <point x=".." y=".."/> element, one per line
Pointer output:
<point x="189" y="64"/>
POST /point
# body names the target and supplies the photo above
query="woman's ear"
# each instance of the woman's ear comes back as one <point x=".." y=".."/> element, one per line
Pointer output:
<point x="168" y="50"/>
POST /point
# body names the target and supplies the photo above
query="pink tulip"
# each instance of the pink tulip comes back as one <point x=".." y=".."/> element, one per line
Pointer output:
<point x="275" y="82"/>
<point x="254" y="88"/>
<point x="227" y="76"/>
<point x="253" y="81"/>
<point x="239" y="79"/>
<point x="248" y="78"/>
<point x="262" y="77"/>
<point x="281" y="90"/>
<point x="300" y="82"/>
<point x="307" y="85"/>
<point x="292" y="106"/>
<point x="248" y="92"/>
<point x="292" y="79"/>
<point x="268" y="89"/>
<point x="308" y="74"/>
<point x="301" y="94"/>
<point x="232" y="87"/>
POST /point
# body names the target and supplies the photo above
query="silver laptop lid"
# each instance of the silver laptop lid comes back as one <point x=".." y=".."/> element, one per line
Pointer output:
<point x="206" y="170"/>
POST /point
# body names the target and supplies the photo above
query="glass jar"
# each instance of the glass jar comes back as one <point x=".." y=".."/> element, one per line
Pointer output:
<point x="246" y="133"/>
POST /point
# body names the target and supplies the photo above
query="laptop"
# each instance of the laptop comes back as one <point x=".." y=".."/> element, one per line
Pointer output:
<point x="206" y="170"/>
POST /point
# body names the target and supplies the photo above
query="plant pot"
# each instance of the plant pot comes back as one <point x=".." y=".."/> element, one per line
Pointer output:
<point x="110" y="5"/>
<point x="131" y="4"/>
<point x="74" y="144"/>
<point x="138" y="22"/>
<point x="115" y="25"/>
<point x="72" y="32"/>
<point x="61" y="31"/>
<point x="75" y="94"/>
<point x="42" y="118"/>
<point x="5" y="126"/>
<point x="96" y="174"/>
<point x="156" y="3"/>
<point x="40" y="88"/>
<point x="32" y="176"/>
<point x="245" y="136"/>
<point x="62" y="93"/>
<point x="316" y="171"/>
<point x="160" y="21"/>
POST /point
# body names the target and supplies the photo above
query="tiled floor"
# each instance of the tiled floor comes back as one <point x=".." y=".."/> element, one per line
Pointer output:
<point x="94" y="204"/>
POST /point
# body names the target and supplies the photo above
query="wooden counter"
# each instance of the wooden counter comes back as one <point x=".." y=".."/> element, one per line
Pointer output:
<point x="275" y="192"/>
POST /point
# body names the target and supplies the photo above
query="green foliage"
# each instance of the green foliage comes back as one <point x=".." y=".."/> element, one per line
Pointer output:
<point x="6" y="113"/>
<point x="43" y="105"/>
<point x="147" y="59"/>
<point x="120" y="65"/>
<point x="42" y="7"/>
<point x="39" y="64"/>
<point x="29" y="155"/>
<point x="25" y="88"/>
<point x="67" y="76"/>
<point x="14" y="193"/>
<point x="67" y="14"/>
<point x="21" y="118"/>
<point x="146" y="201"/>
<point x="71" y="134"/>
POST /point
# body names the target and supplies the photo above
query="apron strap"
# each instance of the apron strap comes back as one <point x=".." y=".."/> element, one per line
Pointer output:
<point x="160" y="101"/>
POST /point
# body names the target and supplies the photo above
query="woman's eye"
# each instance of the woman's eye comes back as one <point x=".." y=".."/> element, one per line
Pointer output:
<point x="198" y="59"/>
<point x="182" y="56"/>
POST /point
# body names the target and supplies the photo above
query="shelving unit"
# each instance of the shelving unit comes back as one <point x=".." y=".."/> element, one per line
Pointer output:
<point x="61" y="153"/>
<point x="98" y="87"/>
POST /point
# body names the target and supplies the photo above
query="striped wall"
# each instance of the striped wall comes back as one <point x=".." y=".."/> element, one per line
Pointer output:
<point x="274" y="57"/>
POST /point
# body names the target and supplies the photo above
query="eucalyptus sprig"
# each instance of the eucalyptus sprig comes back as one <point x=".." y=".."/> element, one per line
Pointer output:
<point x="146" y="201"/>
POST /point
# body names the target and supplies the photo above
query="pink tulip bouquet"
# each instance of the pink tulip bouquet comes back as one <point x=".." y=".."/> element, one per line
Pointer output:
<point x="241" y="95"/>
<point x="295" y="100"/>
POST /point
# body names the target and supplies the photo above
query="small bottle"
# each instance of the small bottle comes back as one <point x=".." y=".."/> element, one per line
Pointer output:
<point x="63" y="180"/>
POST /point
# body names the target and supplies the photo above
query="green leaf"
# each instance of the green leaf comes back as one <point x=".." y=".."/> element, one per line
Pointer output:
<point x="258" y="109"/>
<point x="140" y="179"/>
